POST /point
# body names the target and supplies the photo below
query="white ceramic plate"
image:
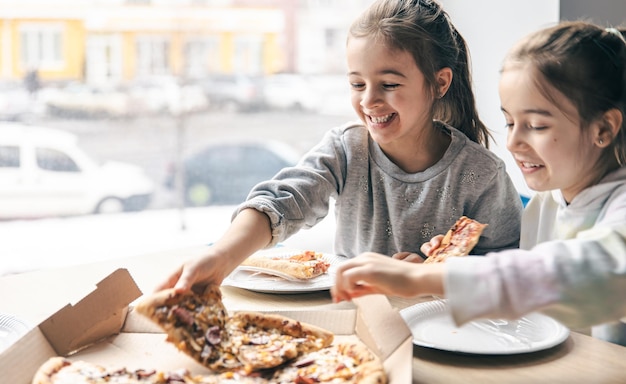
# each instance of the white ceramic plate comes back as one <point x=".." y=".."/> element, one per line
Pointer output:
<point x="247" y="278"/>
<point x="432" y="326"/>
<point x="11" y="329"/>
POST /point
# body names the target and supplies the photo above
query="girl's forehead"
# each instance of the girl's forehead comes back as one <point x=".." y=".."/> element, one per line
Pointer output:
<point x="522" y="87"/>
<point x="375" y="52"/>
<point x="377" y="43"/>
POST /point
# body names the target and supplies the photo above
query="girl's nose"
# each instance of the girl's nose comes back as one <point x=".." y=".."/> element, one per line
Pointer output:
<point x="370" y="98"/>
<point x="514" y="138"/>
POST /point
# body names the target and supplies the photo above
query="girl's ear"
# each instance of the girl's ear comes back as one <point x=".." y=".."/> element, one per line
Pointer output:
<point x="608" y="128"/>
<point x="443" y="78"/>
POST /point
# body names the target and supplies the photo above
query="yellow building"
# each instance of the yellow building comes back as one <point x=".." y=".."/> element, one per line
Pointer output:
<point x="118" y="43"/>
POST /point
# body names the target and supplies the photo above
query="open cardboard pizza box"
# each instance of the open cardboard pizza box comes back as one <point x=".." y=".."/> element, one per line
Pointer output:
<point x="102" y="328"/>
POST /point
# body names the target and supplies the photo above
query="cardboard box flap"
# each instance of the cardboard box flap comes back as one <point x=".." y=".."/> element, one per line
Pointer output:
<point x="99" y="314"/>
<point x="379" y="325"/>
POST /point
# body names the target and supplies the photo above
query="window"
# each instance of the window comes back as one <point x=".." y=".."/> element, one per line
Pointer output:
<point x="175" y="77"/>
<point x="247" y="56"/>
<point x="152" y="56"/>
<point x="55" y="160"/>
<point x="9" y="156"/>
<point x="41" y="46"/>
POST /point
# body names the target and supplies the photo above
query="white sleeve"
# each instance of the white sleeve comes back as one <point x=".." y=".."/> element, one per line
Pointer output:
<point x="580" y="281"/>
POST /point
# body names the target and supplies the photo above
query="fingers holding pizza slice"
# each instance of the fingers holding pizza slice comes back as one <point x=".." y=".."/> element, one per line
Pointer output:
<point x="458" y="241"/>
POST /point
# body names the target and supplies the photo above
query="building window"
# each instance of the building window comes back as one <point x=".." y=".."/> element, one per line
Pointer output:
<point x="41" y="46"/>
<point x="201" y="58"/>
<point x="248" y="57"/>
<point x="153" y="56"/>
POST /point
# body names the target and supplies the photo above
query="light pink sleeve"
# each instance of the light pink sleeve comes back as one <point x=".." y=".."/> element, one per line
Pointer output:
<point x="580" y="281"/>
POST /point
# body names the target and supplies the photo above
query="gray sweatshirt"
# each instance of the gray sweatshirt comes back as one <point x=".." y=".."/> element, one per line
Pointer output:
<point x="381" y="208"/>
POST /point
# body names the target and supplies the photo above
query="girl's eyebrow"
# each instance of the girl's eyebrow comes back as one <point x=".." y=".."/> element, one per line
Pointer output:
<point x="529" y="111"/>
<point x="381" y="72"/>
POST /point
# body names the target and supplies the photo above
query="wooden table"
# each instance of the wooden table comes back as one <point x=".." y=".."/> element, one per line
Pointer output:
<point x="35" y="295"/>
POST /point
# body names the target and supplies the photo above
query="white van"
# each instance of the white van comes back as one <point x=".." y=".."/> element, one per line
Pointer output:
<point x="44" y="173"/>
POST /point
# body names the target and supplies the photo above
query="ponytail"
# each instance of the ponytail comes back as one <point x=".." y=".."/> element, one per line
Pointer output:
<point x="458" y="106"/>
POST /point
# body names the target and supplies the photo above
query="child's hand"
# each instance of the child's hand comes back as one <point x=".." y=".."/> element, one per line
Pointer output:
<point x="408" y="256"/>
<point x="434" y="243"/>
<point x="199" y="272"/>
<point x="371" y="273"/>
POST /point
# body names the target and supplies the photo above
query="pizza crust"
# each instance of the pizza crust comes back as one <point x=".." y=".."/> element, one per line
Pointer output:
<point x="48" y="369"/>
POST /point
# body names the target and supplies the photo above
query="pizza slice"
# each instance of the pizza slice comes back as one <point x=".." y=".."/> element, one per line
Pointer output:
<point x="302" y="266"/>
<point x="194" y="323"/>
<point x="347" y="362"/>
<point x="458" y="241"/>
<point x="199" y="325"/>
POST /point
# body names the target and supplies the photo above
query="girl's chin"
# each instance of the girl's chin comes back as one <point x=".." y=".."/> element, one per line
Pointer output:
<point x="535" y="186"/>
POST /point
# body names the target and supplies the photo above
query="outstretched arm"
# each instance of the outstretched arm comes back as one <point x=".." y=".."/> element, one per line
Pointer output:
<point x="248" y="232"/>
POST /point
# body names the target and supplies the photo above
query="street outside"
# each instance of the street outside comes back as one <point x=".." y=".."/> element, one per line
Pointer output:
<point x="152" y="144"/>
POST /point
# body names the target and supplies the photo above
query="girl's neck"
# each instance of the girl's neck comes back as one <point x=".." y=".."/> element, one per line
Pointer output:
<point x="591" y="180"/>
<point x="417" y="154"/>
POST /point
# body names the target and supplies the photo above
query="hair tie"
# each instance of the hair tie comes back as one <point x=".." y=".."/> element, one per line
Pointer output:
<point x="616" y="32"/>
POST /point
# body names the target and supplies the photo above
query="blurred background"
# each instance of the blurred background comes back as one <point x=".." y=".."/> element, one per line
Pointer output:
<point x="133" y="126"/>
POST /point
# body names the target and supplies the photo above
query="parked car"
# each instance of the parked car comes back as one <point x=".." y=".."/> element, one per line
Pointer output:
<point x="43" y="172"/>
<point x="291" y="92"/>
<point x="82" y="100"/>
<point x="224" y="172"/>
<point x="234" y="93"/>
<point x="165" y="94"/>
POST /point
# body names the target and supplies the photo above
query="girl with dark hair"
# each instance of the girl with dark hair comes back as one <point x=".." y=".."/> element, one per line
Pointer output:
<point x="563" y="95"/>
<point x="414" y="163"/>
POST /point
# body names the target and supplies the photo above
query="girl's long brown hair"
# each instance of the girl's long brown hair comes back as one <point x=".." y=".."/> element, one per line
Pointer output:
<point x="424" y="29"/>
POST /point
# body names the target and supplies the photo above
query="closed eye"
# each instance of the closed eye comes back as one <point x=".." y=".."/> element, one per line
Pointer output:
<point x="390" y="86"/>
<point x="357" y="85"/>
<point x="529" y="126"/>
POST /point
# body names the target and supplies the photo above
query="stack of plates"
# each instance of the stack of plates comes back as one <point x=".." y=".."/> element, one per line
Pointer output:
<point x="11" y="329"/>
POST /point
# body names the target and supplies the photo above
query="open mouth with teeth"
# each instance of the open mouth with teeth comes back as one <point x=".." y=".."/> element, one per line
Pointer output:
<point x="529" y="166"/>
<point x="382" y="119"/>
